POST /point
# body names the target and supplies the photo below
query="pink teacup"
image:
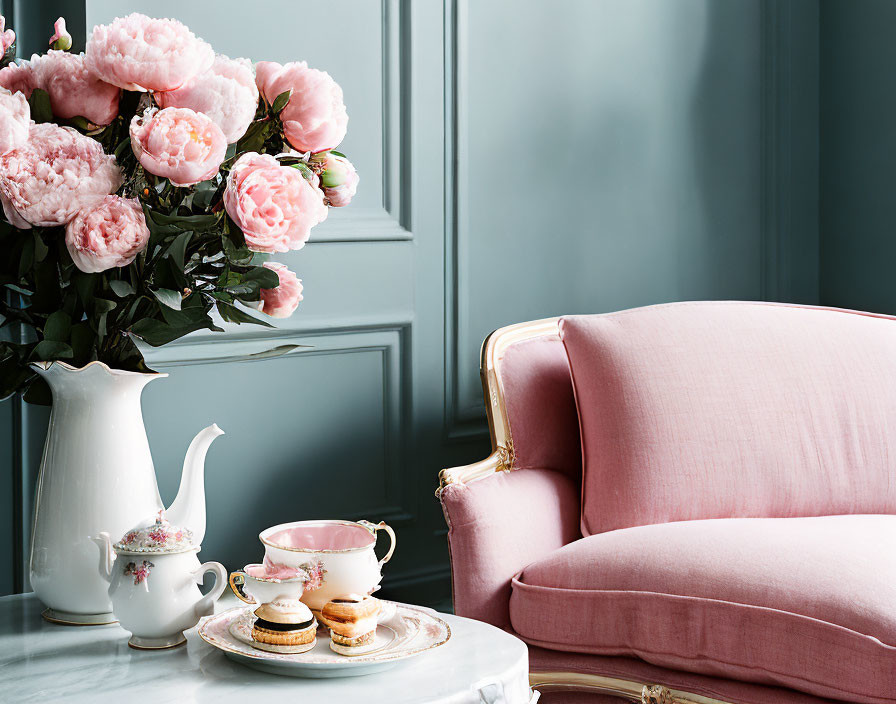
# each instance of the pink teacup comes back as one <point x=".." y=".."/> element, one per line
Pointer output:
<point x="259" y="584"/>
<point x="338" y="556"/>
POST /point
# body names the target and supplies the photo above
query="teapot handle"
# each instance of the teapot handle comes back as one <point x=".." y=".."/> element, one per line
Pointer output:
<point x="206" y="605"/>
<point x="373" y="528"/>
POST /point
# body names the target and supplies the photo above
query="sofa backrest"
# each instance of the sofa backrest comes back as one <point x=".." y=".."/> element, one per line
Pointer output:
<point x="728" y="409"/>
<point x="540" y="406"/>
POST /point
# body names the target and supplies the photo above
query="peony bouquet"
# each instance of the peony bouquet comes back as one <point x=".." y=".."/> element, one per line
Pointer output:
<point x="144" y="182"/>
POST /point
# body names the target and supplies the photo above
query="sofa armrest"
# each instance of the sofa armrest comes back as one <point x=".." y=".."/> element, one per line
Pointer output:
<point x="499" y="524"/>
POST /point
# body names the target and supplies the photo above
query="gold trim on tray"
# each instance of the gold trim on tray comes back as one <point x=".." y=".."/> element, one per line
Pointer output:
<point x="643" y="693"/>
<point x="493" y="349"/>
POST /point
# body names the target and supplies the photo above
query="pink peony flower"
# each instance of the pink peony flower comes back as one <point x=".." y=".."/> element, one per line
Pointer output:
<point x="7" y="36"/>
<point x="74" y="90"/>
<point x="272" y="204"/>
<point x="48" y="179"/>
<point x="281" y="302"/>
<point x="314" y="119"/>
<point x="107" y="232"/>
<point x="184" y="146"/>
<point x="226" y="93"/>
<point x="61" y="39"/>
<point x="142" y="53"/>
<point x="339" y="180"/>
<point x="15" y="118"/>
<point x="18" y="78"/>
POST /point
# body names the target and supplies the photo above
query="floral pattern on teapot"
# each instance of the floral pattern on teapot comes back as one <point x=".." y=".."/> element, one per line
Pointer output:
<point x="141" y="572"/>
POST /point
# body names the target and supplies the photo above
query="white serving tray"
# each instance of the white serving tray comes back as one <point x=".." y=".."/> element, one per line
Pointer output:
<point x="403" y="632"/>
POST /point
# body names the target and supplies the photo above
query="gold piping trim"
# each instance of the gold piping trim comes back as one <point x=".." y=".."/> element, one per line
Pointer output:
<point x="493" y="349"/>
<point x="644" y="693"/>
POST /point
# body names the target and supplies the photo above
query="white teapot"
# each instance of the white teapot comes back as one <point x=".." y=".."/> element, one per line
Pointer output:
<point x="153" y="576"/>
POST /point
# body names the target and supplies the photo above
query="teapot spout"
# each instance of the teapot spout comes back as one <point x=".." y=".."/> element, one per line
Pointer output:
<point x="188" y="508"/>
<point x="107" y="554"/>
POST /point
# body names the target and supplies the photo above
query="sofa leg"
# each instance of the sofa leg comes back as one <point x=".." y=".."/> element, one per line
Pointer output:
<point x="656" y="694"/>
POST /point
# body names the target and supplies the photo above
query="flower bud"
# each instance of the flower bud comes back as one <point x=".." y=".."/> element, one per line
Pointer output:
<point x="7" y="39"/>
<point x="61" y="39"/>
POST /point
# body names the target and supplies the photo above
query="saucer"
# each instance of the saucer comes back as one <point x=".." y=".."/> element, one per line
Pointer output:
<point x="405" y="631"/>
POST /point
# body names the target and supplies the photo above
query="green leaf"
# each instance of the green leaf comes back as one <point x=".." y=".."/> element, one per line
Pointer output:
<point x="40" y="106"/>
<point x="83" y="342"/>
<point x="275" y="351"/>
<point x="184" y="222"/>
<point x="232" y="314"/>
<point x="26" y="261"/>
<point x="280" y="102"/>
<point x="122" y="148"/>
<point x="177" y="249"/>
<point x="85" y="284"/>
<point x="335" y="153"/>
<point x="58" y="326"/>
<point x="157" y="333"/>
<point x="40" y="249"/>
<point x="266" y="278"/>
<point x="121" y="288"/>
<point x="240" y="256"/>
<point x="46" y="350"/>
<point x="255" y="136"/>
<point x="79" y="123"/>
<point x="303" y="167"/>
<point x="102" y="305"/>
<point x="204" y="192"/>
<point x="167" y="297"/>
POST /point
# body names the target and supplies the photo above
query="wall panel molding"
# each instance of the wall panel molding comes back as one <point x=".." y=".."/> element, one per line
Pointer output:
<point x="390" y="222"/>
<point x="789" y="127"/>
<point x="464" y="417"/>
<point x="390" y="340"/>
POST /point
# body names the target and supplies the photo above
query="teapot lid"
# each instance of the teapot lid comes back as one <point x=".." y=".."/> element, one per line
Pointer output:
<point x="156" y="536"/>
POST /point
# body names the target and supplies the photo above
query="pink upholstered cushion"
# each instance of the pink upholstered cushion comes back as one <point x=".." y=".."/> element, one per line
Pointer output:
<point x="725" y="409"/>
<point x="541" y="407"/>
<point x="497" y="526"/>
<point x="806" y="603"/>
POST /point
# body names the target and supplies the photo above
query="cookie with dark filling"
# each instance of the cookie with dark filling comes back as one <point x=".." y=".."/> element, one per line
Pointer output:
<point x="284" y="628"/>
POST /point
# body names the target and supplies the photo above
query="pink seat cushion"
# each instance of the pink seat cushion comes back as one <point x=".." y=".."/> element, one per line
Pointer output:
<point x="806" y="603"/>
<point x="726" y="409"/>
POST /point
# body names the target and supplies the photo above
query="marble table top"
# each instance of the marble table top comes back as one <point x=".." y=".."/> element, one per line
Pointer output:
<point x="44" y="662"/>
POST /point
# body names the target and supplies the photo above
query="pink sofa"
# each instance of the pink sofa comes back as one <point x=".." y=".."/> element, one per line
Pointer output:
<point x="693" y="502"/>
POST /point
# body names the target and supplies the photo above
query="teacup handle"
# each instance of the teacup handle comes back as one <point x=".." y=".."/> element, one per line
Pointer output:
<point x="237" y="580"/>
<point x="206" y="605"/>
<point x="373" y="528"/>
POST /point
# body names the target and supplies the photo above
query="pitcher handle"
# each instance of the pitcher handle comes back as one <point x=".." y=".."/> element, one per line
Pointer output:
<point x="373" y="528"/>
<point x="206" y="605"/>
<point x="237" y="580"/>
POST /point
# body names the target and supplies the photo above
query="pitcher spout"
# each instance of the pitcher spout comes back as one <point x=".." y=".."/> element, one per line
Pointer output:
<point x="188" y="507"/>
<point x="107" y="554"/>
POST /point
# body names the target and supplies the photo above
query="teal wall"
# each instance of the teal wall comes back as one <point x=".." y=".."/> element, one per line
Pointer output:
<point x="574" y="156"/>
<point x="858" y="174"/>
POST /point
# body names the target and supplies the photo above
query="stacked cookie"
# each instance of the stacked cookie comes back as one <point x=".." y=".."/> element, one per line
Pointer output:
<point x="352" y="621"/>
<point x="284" y="627"/>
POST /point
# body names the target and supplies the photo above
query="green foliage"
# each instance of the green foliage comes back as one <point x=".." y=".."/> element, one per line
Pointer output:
<point x="40" y="106"/>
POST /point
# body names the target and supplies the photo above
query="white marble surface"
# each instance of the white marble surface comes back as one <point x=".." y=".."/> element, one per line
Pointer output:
<point x="42" y="662"/>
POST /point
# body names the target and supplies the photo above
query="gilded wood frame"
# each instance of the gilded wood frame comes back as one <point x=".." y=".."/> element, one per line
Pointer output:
<point x="502" y="460"/>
